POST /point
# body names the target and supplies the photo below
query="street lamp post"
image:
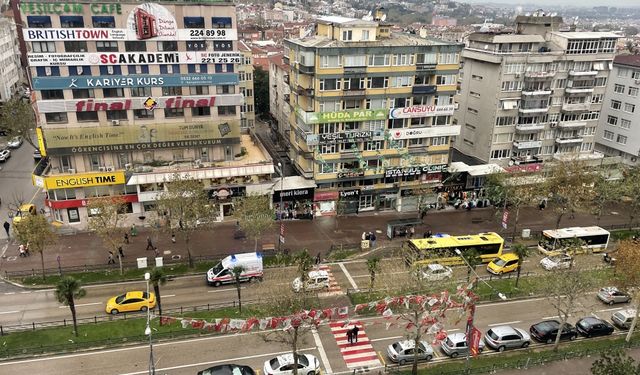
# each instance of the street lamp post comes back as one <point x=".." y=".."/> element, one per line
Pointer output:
<point x="280" y="208"/>
<point x="472" y="311"/>
<point x="147" y="331"/>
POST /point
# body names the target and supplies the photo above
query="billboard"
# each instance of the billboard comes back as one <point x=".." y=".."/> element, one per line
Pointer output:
<point x="426" y="132"/>
<point x="422" y="111"/>
<point x="74" y="34"/>
<point x="84" y="179"/>
<point x="133" y="58"/>
<point x="350" y="115"/>
<point x="133" y="80"/>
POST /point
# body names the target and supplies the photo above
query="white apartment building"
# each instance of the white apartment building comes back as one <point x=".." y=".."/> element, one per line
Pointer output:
<point x="10" y="72"/>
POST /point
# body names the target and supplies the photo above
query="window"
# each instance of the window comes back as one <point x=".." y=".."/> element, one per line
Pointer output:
<point x="196" y="45"/>
<point x="426" y="58"/>
<point x="365" y="35"/>
<point x="327" y="84"/>
<point x="587" y="146"/>
<point x="83" y="93"/>
<point x="476" y="77"/>
<point x="171" y="90"/>
<point x="117" y="115"/>
<point x="601" y="81"/>
<point x="378" y="82"/>
<point x="56" y="117"/>
<point x="596" y="98"/>
<point x="512" y="86"/>
<point x="199" y="90"/>
<point x="168" y="46"/>
<point x="170" y="69"/>
<point x="194" y="22"/>
<point x="223" y="45"/>
<point x="505" y="121"/>
<point x="330" y="61"/>
<point x="225" y="89"/>
<point x="328" y="149"/>
<point x="52" y="94"/>
<point x="514" y="68"/>
<point x="635" y="74"/>
<point x="629" y="108"/>
<point x="173" y="112"/>
<point x="618" y="88"/>
<point x="328" y="168"/>
<point x="347" y="35"/>
<point x="633" y="91"/>
<point x="226" y="110"/>
<point x="74" y="216"/>
<point x="135" y="46"/>
<point x="608" y="135"/>
<point x="87" y="116"/>
<point x="472" y="110"/>
<point x="379" y="60"/>
<point x="142" y="114"/>
<point x="500" y="154"/>
<point x="449" y="79"/>
<point x="221" y="22"/>
<point x="622" y="139"/>
<point x="616" y="104"/>
<point x="197" y="68"/>
<point x="103" y="21"/>
<point x="355" y="60"/>
<point x="503" y="137"/>
<point x="77" y="46"/>
<point x="228" y="68"/>
<point x="113" y="93"/>
<point x="106" y="46"/>
<point x="140" y="92"/>
<point x="373" y="145"/>
<point x="439" y="141"/>
<point x="39" y="22"/>
<point x="422" y="80"/>
<point x="402" y="59"/>
<point x="448" y="58"/>
<point x="110" y="70"/>
<point x="612" y="120"/>
<point x="72" y="22"/>
<point x="201" y="111"/>
<point x="45" y="71"/>
<point x="625" y="124"/>
<point x="404" y="81"/>
<point x="43" y="47"/>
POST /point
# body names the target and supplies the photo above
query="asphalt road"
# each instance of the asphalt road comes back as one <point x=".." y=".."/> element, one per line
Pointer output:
<point x="190" y="356"/>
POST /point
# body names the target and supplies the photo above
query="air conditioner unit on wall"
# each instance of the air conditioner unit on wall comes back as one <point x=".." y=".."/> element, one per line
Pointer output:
<point x="71" y="170"/>
<point x="102" y="169"/>
<point x="115" y="122"/>
<point x="110" y="169"/>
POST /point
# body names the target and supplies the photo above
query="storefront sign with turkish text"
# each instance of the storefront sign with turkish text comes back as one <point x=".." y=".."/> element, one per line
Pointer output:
<point x="414" y="171"/>
<point x="89" y="82"/>
<point x="422" y="111"/>
<point x="36" y="34"/>
<point x="133" y="58"/>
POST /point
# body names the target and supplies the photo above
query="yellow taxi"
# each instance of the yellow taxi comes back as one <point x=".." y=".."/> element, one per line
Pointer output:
<point x="24" y="211"/>
<point x="504" y="263"/>
<point x="131" y="301"/>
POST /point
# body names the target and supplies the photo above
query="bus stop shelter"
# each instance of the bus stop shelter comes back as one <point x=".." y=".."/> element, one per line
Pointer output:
<point x="399" y="227"/>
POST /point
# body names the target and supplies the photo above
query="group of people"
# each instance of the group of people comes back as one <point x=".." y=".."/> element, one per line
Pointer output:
<point x="369" y="236"/>
<point x="24" y="250"/>
<point x="352" y="335"/>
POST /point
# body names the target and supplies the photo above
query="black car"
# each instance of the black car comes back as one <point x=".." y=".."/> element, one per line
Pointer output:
<point x="228" y="370"/>
<point x="592" y="326"/>
<point x="547" y="330"/>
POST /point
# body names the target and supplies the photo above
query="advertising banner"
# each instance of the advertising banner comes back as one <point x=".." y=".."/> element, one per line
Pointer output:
<point x="133" y="58"/>
<point x="427" y="132"/>
<point x="476" y="336"/>
<point x="343" y="116"/>
<point x="72" y="34"/>
<point x="414" y="171"/>
<point x="134" y="80"/>
<point x="422" y="111"/>
<point x="143" y="137"/>
<point x="84" y="179"/>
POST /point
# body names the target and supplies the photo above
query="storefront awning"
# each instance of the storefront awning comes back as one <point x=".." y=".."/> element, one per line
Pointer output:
<point x="292" y="183"/>
<point x="201" y="174"/>
<point x="475" y="170"/>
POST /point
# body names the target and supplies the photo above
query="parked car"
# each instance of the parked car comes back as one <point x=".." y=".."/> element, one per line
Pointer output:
<point x="283" y="365"/>
<point x="436" y="272"/>
<point x="623" y="318"/>
<point x="554" y="262"/>
<point x="547" y="330"/>
<point x="316" y="280"/>
<point x="15" y="142"/>
<point x="403" y="351"/>
<point x="504" y="263"/>
<point x="612" y="295"/>
<point x="36" y="155"/>
<point x="456" y="344"/>
<point x="592" y="326"/>
<point x="506" y="337"/>
<point x="130" y="302"/>
<point x="5" y="155"/>
<point x="228" y="370"/>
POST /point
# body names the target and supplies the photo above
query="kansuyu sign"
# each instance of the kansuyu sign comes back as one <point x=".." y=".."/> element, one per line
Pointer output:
<point x="414" y="171"/>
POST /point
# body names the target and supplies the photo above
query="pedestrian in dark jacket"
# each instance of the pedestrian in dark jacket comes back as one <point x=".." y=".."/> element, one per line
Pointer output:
<point x="149" y="244"/>
<point x="354" y="334"/>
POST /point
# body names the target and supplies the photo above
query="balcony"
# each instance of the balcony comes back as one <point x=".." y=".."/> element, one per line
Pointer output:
<point x="534" y="110"/>
<point x="539" y="75"/>
<point x="567" y="140"/>
<point x="583" y="74"/>
<point x="354" y="70"/>
<point x="304" y="91"/>
<point x="529" y="159"/>
<point x="529" y="128"/>
<point x="582" y="107"/>
<point x="424" y="90"/>
<point x="530" y="92"/>
<point x="305" y="69"/>
<point x="521" y="145"/>
<point x="425" y="67"/>
<point x="578" y="90"/>
<point x="352" y="93"/>
<point x="572" y="125"/>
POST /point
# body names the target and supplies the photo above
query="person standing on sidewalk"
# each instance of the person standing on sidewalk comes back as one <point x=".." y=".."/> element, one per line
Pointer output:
<point x="120" y="251"/>
<point x="354" y="334"/>
<point x="149" y="244"/>
<point x="6" y="228"/>
<point x="372" y="238"/>
<point x="134" y="230"/>
<point x="126" y="238"/>
<point x="110" y="259"/>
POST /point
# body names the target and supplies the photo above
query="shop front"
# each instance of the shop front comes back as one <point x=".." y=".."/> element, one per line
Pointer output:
<point x="325" y="203"/>
<point x="225" y="198"/>
<point x="75" y="211"/>
<point x="349" y="202"/>
<point x="293" y="198"/>
<point x="416" y="185"/>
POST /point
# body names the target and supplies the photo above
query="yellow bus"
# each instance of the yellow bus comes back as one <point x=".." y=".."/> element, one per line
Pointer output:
<point x="442" y="249"/>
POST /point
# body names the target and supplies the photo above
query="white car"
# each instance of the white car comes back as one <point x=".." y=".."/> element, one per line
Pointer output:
<point x="402" y="351"/>
<point x="316" y="280"/>
<point x="436" y="272"/>
<point x="556" y="262"/>
<point x="5" y="155"/>
<point x="283" y="365"/>
<point x="15" y="142"/>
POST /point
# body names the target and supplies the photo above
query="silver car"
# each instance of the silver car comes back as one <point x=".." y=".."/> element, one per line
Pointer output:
<point x="5" y="155"/>
<point x="456" y="344"/>
<point x="611" y="295"/>
<point x="506" y="337"/>
<point x="623" y="318"/>
<point x="403" y="351"/>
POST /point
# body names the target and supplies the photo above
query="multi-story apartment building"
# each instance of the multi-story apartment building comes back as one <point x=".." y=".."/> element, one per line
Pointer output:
<point x="279" y="96"/>
<point x="245" y="78"/>
<point x="129" y="93"/>
<point x="532" y="95"/>
<point x="10" y="70"/>
<point x="371" y="114"/>
<point x="619" y="130"/>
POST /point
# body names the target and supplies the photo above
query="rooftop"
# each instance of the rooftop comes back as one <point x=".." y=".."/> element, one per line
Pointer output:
<point x="630" y="60"/>
<point x="396" y="39"/>
<point x="345" y="21"/>
<point x="506" y="38"/>
<point x="585" y="34"/>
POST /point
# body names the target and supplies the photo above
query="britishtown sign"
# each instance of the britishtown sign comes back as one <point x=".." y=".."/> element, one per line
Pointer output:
<point x="414" y="171"/>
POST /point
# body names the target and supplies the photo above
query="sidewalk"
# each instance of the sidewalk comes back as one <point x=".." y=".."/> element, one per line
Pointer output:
<point x="316" y="235"/>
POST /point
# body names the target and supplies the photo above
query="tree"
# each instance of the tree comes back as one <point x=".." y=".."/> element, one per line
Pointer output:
<point x="107" y="221"/>
<point x="606" y="191"/>
<point x="564" y="290"/>
<point x="373" y="266"/>
<point x="628" y="275"/>
<point x="631" y="193"/>
<point x="157" y="278"/>
<point x="186" y="206"/>
<point x="255" y="215"/>
<point x="17" y="118"/>
<point x="304" y="264"/>
<point x="237" y="273"/>
<point x="522" y="251"/>
<point x="473" y="258"/>
<point x="570" y="186"/>
<point x="615" y="362"/>
<point x="35" y="231"/>
<point x="67" y="292"/>
<point x="261" y="88"/>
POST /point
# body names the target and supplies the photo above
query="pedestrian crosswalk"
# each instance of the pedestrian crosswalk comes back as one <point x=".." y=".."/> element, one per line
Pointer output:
<point x="334" y="288"/>
<point x="359" y="354"/>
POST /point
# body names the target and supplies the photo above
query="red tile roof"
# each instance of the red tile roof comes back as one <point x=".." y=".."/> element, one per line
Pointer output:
<point x="631" y="60"/>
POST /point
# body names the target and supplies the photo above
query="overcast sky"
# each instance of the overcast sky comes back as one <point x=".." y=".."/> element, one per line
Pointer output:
<point x="589" y="3"/>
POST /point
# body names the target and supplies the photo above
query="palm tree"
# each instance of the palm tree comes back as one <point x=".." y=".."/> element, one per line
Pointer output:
<point x="157" y="278"/>
<point x="522" y="251"/>
<point x="373" y="266"/>
<point x="237" y="272"/>
<point x="473" y="258"/>
<point x="67" y="291"/>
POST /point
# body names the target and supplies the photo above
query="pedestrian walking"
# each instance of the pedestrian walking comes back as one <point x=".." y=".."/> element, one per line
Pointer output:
<point x="349" y="336"/>
<point x="120" y="252"/>
<point x="173" y="237"/>
<point x="23" y="253"/>
<point x="126" y="238"/>
<point x="134" y="230"/>
<point x="156" y="251"/>
<point x="149" y="244"/>
<point x="26" y="249"/>
<point x="318" y="259"/>
<point x="110" y="259"/>
<point x="6" y="228"/>
<point x="354" y="334"/>
<point x="372" y="238"/>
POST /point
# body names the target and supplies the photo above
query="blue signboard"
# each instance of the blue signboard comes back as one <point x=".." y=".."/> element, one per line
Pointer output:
<point x="134" y="80"/>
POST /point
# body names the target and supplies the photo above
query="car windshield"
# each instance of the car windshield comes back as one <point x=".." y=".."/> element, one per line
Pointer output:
<point x="274" y="364"/>
<point x="145" y="295"/>
<point x="545" y="326"/>
<point x="584" y="324"/>
<point x="120" y="298"/>
<point x="302" y="360"/>
<point x="396" y="346"/>
<point x="217" y="268"/>
<point x="448" y="342"/>
<point x="499" y="262"/>
<point x="492" y="335"/>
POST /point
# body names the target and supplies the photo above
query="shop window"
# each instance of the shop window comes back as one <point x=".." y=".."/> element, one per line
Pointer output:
<point x="56" y="117"/>
<point x="74" y="216"/>
<point x="72" y="22"/>
<point x="200" y="111"/>
<point x="221" y="22"/>
<point x="194" y="22"/>
<point x="82" y="93"/>
<point x="168" y="46"/>
<point x="135" y="46"/>
<point x="39" y="22"/>
<point x="75" y="46"/>
<point x="173" y="112"/>
<point x="103" y="22"/>
<point x="52" y="94"/>
<point x="102" y="46"/>
<point x="87" y="116"/>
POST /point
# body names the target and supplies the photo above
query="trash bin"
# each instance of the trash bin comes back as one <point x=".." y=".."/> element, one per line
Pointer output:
<point x="526" y="233"/>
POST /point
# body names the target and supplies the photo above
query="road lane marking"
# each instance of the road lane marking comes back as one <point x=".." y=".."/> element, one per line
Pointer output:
<point x="29" y="292"/>
<point x="167" y="296"/>
<point x="613" y="309"/>
<point x="218" y="361"/>
<point x="386" y="338"/>
<point x="388" y="273"/>
<point x="509" y="302"/>
<point x="82" y="304"/>
<point x="9" y="312"/>
<point x="223" y="290"/>
<point x="323" y="354"/>
<point x="9" y="293"/>
<point x="348" y="275"/>
<point x="505" y="323"/>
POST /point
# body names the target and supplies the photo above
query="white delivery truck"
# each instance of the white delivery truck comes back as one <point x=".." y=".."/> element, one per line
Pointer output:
<point x="222" y="273"/>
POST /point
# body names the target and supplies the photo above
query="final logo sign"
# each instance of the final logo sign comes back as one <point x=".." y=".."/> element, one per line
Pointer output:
<point x="150" y="20"/>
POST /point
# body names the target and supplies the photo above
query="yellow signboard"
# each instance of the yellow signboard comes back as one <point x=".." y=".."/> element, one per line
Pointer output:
<point x="70" y="181"/>
<point x="43" y="151"/>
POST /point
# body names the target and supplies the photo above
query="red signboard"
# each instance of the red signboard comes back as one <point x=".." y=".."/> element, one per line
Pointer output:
<point x="475" y="341"/>
<point x="505" y="219"/>
<point x="325" y="196"/>
<point x="73" y="203"/>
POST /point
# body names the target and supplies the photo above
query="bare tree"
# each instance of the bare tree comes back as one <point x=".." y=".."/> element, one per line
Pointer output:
<point x="606" y="191"/>
<point x="628" y="274"/>
<point x="255" y="215"/>
<point x="631" y="192"/>
<point x="36" y="232"/>
<point x="186" y="206"/>
<point x="570" y="185"/>
<point x="106" y="219"/>
<point x="373" y="266"/>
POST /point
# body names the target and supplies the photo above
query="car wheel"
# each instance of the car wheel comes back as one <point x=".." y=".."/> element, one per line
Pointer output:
<point x="573" y="337"/>
<point x="114" y="312"/>
<point x="429" y="357"/>
<point x="143" y="308"/>
<point x="311" y="373"/>
<point x="501" y="348"/>
<point x="252" y="280"/>
<point x="549" y="341"/>
<point x="402" y="362"/>
<point x="454" y="355"/>
<point x="525" y="345"/>
<point x="611" y="303"/>
<point x="217" y="284"/>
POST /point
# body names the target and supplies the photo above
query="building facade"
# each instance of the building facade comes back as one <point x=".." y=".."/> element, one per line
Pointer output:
<point x="129" y="93"/>
<point x="532" y="95"/>
<point x="371" y="114"/>
<point x="619" y="129"/>
<point x="279" y="96"/>
<point x="10" y="68"/>
<point x="245" y="80"/>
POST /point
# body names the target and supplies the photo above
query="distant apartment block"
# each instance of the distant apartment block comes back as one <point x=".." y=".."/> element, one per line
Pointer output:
<point x="10" y="71"/>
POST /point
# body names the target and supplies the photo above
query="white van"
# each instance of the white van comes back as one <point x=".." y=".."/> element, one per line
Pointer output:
<point x="222" y="273"/>
<point x="317" y="280"/>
